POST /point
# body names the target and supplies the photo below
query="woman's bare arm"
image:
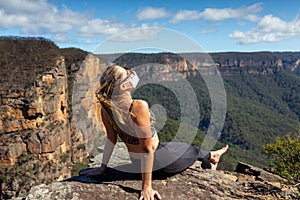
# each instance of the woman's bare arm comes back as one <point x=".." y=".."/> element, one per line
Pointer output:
<point x="108" y="149"/>
<point x="111" y="139"/>
<point x="142" y="127"/>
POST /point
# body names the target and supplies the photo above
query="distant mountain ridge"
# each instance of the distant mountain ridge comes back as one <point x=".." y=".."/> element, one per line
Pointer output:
<point x="227" y="62"/>
<point x="40" y="52"/>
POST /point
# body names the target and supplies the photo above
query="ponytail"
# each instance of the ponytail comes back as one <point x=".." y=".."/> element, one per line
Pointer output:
<point x="118" y="117"/>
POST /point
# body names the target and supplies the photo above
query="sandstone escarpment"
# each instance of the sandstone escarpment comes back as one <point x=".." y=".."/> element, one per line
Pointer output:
<point x="228" y="63"/>
<point x="34" y="115"/>
<point x="85" y="105"/>
<point x="39" y="144"/>
<point x="36" y="135"/>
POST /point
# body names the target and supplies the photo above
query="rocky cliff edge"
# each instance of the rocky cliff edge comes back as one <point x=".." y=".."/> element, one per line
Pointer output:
<point x="194" y="183"/>
<point x="247" y="182"/>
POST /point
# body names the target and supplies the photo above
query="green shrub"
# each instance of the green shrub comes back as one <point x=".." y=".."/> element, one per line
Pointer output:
<point x="286" y="155"/>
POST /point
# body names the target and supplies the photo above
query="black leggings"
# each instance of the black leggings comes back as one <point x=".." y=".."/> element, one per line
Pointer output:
<point x="174" y="157"/>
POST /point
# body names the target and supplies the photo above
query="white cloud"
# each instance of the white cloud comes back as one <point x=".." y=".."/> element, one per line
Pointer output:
<point x="25" y="6"/>
<point x="62" y="38"/>
<point x="269" y="29"/>
<point x="37" y="16"/>
<point x="137" y="34"/>
<point x="214" y="14"/>
<point x="149" y="13"/>
<point x="96" y="27"/>
<point x="184" y="15"/>
<point x="41" y="17"/>
<point x="12" y="20"/>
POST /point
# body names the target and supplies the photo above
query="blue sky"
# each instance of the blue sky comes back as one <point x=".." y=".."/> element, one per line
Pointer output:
<point x="217" y="26"/>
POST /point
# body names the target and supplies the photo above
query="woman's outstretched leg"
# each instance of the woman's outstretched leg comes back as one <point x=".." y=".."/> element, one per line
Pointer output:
<point x="216" y="155"/>
<point x="211" y="159"/>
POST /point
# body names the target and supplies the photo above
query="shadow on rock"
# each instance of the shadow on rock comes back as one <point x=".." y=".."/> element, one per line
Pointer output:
<point x="119" y="173"/>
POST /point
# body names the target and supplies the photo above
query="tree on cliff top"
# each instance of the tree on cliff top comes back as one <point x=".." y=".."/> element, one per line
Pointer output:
<point x="286" y="155"/>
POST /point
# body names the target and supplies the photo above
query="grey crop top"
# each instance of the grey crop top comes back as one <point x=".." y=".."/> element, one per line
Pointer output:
<point x="130" y="139"/>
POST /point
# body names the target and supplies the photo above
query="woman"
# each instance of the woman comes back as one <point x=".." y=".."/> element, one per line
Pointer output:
<point x="133" y="121"/>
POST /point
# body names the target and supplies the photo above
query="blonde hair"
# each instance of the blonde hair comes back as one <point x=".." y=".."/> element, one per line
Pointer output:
<point x="107" y="93"/>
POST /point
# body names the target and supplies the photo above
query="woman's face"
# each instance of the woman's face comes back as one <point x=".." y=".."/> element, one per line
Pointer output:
<point x="129" y="78"/>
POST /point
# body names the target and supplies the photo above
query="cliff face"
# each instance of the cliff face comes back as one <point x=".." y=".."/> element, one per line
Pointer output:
<point x="39" y="144"/>
<point x="228" y="63"/>
<point x="33" y="111"/>
<point x="257" y="63"/>
<point x="85" y="105"/>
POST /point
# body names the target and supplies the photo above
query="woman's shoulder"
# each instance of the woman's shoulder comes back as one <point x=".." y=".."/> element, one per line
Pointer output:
<point x="140" y="105"/>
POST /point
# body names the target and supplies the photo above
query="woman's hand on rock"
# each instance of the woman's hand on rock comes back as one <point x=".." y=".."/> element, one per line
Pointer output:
<point x="93" y="171"/>
<point x="149" y="194"/>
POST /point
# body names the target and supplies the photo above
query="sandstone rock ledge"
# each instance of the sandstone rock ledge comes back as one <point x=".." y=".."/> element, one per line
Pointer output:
<point x="193" y="183"/>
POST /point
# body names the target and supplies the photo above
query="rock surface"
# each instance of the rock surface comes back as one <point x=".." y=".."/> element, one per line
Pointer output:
<point x="194" y="183"/>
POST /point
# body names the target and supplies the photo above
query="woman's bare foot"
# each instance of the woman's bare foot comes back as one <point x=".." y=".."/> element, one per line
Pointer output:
<point x="216" y="155"/>
<point x="214" y="166"/>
